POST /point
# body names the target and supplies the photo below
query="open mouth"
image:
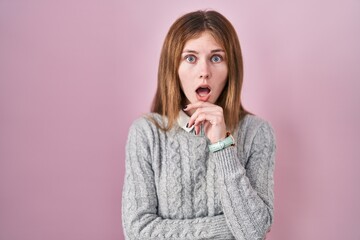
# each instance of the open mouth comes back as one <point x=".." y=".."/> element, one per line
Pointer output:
<point x="203" y="93"/>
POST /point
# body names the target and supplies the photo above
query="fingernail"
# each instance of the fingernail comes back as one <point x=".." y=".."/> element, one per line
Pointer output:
<point x="185" y="107"/>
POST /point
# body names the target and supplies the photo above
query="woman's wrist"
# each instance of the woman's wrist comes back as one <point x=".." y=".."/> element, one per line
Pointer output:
<point x="222" y="144"/>
<point x="220" y="138"/>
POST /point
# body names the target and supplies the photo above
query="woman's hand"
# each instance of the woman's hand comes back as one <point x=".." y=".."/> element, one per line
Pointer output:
<point x="211" y="116"/>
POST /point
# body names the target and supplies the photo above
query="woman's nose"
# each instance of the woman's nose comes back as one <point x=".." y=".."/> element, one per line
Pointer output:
<point x="204" y="69"/>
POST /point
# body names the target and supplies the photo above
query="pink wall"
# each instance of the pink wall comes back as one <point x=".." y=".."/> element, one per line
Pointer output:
<point x="75" y="74"/>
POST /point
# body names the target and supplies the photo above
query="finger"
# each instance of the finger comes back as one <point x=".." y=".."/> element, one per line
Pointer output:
<point x="197" y="129"/>
<point x="212" y="109"/>
<point x="198" y="121"/>
<point x="196" y="114"/>
<point x="213" y="119"/>
<point x="197" y="105"/>
<point x="215" y="111"/>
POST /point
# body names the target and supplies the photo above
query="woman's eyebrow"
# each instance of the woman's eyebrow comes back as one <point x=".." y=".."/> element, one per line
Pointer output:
<point x="190" y="51"/>
<point x="193" y="51"/>
<point x="217" y="50"/>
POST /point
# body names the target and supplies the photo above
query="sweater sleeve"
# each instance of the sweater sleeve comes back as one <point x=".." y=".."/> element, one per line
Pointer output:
<point x="139" y="200"/>
<point x="247" y="191"/>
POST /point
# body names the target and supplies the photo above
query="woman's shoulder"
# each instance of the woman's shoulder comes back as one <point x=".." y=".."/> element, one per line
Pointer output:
<point x="251" y="121"/>
<point x="252" y="126"/>
<point x="147" y="123"/>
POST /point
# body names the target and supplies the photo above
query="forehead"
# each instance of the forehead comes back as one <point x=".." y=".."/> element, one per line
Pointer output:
<point x="203" y="40"/>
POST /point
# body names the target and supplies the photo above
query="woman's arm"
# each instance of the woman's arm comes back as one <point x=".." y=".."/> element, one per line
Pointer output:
<point x="247" y="191"/>
<point x="139" y="201"/>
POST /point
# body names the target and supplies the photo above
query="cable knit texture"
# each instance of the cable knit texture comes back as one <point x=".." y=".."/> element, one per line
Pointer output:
<point x="176" y="189"/>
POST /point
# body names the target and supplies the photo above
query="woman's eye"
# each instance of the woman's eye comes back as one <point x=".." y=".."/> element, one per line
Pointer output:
<point x="216" y="58"/>
<point x="190" y="58"/>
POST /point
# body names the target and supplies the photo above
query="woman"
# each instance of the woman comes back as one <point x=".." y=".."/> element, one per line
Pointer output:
<point x="199" y="166"/>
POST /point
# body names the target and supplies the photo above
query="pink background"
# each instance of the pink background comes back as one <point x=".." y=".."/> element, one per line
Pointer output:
<point x="75" y="74"/>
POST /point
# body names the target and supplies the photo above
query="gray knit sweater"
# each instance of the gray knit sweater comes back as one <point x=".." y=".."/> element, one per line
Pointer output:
<point x="176" y="189"/>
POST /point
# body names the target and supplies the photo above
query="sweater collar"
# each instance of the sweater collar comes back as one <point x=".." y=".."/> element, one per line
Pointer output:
<point x="183" y="120"/>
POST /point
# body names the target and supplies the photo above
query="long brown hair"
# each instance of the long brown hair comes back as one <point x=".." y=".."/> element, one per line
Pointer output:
<point x="169" y="97"/>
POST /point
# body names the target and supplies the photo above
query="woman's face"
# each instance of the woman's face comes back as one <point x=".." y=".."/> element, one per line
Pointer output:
<point x="203" y="69"/>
